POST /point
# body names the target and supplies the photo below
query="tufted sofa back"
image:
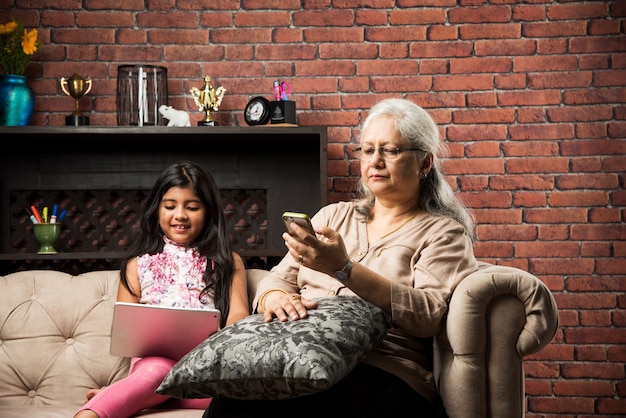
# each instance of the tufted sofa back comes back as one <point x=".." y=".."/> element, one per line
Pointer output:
<point x="54" y="336"/>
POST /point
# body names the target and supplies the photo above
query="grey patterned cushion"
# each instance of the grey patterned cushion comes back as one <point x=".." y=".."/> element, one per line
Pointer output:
<point x="251" y="359"/>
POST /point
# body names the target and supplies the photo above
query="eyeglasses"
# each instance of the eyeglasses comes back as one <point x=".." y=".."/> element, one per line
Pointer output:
<point x="385" y="153"/>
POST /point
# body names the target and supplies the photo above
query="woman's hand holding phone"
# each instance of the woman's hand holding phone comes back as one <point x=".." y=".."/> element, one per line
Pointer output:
<point x="302" y="219"/>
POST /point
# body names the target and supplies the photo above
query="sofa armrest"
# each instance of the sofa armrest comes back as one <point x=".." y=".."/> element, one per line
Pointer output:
<point x="496" y="316"/>
<point x="254" y="277"/>
<point x="472" y="299"/>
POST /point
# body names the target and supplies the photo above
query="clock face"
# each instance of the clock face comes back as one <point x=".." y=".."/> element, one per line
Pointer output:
<point x="257" y="111"/>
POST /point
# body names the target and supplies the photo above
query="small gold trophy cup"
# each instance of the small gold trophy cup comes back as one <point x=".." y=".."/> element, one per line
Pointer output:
<point x="208" y="99"/>
<point x="76" y="86"/>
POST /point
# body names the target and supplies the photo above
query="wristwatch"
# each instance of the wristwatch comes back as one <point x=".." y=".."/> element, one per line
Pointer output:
<point x="344" y="274"/>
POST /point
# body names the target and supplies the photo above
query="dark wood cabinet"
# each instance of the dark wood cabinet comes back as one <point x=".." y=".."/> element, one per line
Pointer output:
<point x="100" y="175"/>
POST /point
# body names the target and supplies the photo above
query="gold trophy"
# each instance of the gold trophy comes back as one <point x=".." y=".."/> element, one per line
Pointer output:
<point x="208" y="99"/>
<point x="77" y="87"/>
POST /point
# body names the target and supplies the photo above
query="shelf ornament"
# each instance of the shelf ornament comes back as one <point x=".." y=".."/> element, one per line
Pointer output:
<point x="208" y="100"/>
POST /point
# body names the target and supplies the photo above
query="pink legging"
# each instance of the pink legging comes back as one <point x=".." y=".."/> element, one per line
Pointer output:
<point x="136" y="392"/>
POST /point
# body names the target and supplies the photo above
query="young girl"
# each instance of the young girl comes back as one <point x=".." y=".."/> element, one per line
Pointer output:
<point x="182" y="257"/>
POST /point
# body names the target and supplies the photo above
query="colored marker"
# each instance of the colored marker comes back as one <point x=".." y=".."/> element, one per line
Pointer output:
<point x="62" y="215"/>
<point x="44" y="214"/>
<point x="36" y="213"/>
<point x="53" y="217"/>
<point x="31" y="216"/>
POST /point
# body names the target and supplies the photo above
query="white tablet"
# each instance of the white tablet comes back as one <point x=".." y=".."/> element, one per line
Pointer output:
<point x="140" y="330"/>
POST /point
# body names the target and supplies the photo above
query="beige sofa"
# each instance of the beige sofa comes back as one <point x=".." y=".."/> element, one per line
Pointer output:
<point x="54" y="342"/>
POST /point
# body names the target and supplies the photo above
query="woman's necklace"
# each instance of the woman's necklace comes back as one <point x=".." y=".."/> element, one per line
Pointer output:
<point x="401" y="225"/>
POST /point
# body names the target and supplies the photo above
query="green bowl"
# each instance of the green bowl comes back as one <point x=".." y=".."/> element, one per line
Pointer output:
<point x="47" y="235"/>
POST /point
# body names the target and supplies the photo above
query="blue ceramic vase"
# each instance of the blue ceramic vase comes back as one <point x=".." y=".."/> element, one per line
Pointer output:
<point x="17" y="100"/>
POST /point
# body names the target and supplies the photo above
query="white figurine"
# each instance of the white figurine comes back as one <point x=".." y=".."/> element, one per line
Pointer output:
<point x="175" y="117"/>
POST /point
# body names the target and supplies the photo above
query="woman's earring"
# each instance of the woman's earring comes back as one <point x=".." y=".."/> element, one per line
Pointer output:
<point x="423" y="176"/>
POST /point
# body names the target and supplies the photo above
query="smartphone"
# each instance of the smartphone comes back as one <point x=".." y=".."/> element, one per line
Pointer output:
<point x="301" y="219"/>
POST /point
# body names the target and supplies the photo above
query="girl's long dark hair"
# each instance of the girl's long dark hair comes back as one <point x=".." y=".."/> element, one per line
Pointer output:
<point x="213" y="242"/>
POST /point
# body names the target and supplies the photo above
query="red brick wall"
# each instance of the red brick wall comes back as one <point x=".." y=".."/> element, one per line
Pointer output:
<point x="530" y="97"/>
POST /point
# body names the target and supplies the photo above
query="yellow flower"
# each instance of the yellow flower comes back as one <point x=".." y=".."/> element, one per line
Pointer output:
<point x="29" y="41"/>
<point x="8" y="27"/>
<point x="17" y="46"/>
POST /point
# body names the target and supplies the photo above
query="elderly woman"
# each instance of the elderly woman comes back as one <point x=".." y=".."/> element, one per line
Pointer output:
<point x="404" y="246"/>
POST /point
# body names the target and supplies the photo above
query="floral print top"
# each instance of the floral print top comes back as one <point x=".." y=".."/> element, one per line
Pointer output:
<point x="173" y="277"/>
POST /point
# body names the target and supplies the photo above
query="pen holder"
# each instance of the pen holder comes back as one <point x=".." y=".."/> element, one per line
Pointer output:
<point x="283" y="111"/>
<point x="47" y="235"/>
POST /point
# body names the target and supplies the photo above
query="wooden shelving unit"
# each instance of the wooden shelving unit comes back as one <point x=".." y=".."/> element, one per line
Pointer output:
<point x="275" y="168"/>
